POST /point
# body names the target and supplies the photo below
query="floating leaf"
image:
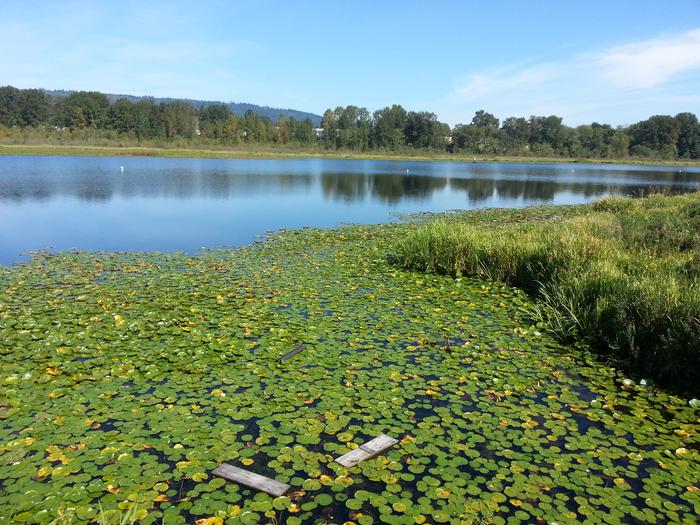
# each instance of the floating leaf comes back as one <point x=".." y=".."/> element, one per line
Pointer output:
<point x="323" y="500"/>
<point x="498" y="424"/>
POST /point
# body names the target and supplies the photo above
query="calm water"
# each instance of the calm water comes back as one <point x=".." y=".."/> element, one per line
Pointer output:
<point x="61" y="203"/>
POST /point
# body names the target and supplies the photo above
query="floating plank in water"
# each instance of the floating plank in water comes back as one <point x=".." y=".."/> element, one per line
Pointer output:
<point x="292" y="353"/>
<point x="366" y="451"/>
<point x="379" y="444"/>
<point x="250" y="479"/>
<point x="353" y="457"/>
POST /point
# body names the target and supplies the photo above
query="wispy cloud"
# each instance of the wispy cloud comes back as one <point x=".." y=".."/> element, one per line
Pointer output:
<point x="634" y="79"/>
<point x="122" y="60"/>
<point x="507" y="78"/>
<point x="643" y="65"/>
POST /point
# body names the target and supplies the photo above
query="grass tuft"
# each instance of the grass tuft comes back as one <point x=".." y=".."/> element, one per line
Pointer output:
<point x="624" y="275"/>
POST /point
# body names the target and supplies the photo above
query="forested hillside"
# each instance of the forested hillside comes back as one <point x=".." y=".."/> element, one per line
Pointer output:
<point x="236" y="108"/>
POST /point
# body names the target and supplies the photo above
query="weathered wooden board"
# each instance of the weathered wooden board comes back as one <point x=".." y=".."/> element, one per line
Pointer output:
<point x="250" y="479"/>
<point x="366" y="451"/>
<point x="292" y="353"/>
<point x="353" y="457"/>
<point x="379" y="444"/>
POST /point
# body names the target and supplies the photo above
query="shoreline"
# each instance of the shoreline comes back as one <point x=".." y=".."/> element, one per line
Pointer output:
<point x="272" y="154"/>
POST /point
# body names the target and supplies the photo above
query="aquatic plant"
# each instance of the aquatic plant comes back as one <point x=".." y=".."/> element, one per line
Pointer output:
<point x="126" y="378"/>
<point x="621" y="275"/>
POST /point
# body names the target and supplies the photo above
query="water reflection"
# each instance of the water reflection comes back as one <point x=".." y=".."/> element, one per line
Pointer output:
<point x="178" y="184"/>
<point x="478" y="183"/>
<point x="183" y="204"/>
<point x="387" y="188"/>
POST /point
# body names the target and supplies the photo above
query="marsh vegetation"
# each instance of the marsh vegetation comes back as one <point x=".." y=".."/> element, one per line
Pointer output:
<point x="623" y="275"/>
<point x="127" y="377"/>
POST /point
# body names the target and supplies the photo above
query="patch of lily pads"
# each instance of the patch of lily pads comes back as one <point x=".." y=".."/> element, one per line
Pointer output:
<point x="127" y="378"/>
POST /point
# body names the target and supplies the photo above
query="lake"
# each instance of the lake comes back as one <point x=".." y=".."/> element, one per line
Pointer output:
<point x="154" y="204"/>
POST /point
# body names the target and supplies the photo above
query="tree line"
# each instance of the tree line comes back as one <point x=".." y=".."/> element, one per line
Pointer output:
<point x="347" y="128"/>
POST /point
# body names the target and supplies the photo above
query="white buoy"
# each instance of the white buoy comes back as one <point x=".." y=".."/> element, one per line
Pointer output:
<point x="406" y="170"/>
<point x="121" y="168"/>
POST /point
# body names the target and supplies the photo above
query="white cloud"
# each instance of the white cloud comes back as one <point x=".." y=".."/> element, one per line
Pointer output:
<point x="639" y="65"/>
<point x="506" y="78"/>
<point x="648" y="64"/>
<point x="620" y="85"/>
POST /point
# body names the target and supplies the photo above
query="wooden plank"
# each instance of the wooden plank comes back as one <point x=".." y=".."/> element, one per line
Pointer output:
<point x="292" y="353"/>
<point x="379" y="444"/>
<point x="250" y="479"/>
<point x="366" y="451"/>
<point x="353" y="457"/>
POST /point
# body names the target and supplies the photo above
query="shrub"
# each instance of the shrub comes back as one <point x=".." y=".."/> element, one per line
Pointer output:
<point x="615" y="204"/>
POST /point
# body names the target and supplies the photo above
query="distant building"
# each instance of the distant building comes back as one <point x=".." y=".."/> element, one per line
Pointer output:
<point x="318" y="132"/>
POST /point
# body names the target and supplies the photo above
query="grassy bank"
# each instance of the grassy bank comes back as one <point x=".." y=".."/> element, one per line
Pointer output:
<point x="127" y="377"/>
<point x="623" y="275"/>
<point x="262" y="152"/>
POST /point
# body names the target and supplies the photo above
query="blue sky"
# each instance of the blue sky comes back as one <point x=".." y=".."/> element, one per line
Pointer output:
<point x="615" y="61"/>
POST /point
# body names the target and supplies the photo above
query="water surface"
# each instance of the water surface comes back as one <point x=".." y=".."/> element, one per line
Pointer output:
<point x="61" y="203"/>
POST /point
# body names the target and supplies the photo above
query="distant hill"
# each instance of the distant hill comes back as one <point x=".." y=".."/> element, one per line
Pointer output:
<point x="237" y="108"/>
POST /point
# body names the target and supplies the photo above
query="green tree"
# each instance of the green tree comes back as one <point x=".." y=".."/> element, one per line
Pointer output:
<point x="619" y="144"/>
<point x="179" y="118"/>
<point x="688" y="143"/>
<point x="595" y="140"/>
<point x="122" y="116"/>
<point x="515" y="133"/>
<point x="9" y="103"/>
<point x="476" y="139"/>
<point x="424" y="131"/>
<point x="86" y="109"/>
<point x="255" y="128"/>
<point x="388" y="126"/>
<point x="547" y="131"/>
<point x="482" y="119"/>
<point x="353" y="127"/>
<point x="301" y="132"/>
<point x="282" y="130"/>
<point x="329" y="124"/>
<point x="212" y="119"/>
<point x="231" y="134"/>
<point x="147" y="119"/>
<point x="481" y="136"/>
<point x="658" y="134"/>
<point x="33" y="107"/>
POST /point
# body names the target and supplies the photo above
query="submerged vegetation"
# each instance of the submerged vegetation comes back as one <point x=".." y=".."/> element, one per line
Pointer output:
<point x="624" y="275"/>
<point x="127" y="378"/>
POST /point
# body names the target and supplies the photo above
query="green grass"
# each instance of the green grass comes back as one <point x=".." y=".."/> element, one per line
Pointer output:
<point x="283" y="152"/>
<point x="622" y="274"/>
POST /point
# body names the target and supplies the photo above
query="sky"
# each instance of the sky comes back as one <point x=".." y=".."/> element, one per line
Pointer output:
<point x="616" y="61"/>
